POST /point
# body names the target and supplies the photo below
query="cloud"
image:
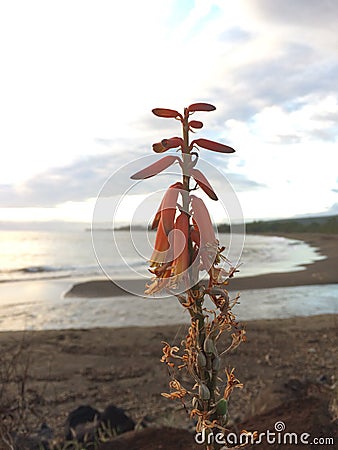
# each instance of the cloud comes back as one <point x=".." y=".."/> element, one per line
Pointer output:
<point x="307" y="13"/>
<point x="84" y="178"/>
<point x="270" y="68"/>
<point x="75" y="182"/>
<point x="333" y="209"/>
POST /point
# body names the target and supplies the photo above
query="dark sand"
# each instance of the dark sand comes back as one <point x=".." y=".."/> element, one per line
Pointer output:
<point x="288" y="367"/>
<point x="324" y="271"/>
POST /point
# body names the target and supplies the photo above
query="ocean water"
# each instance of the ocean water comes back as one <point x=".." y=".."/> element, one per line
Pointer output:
<point x="36" y="255"/>
<point x="38" y="268"/>
<point x="51" y="310"/>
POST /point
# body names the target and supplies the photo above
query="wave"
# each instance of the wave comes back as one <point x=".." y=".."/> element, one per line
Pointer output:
<point x="54" y="272"/>
<point x="37" y="269"/>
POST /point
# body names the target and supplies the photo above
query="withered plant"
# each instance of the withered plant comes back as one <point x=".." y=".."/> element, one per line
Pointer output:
<point x="186" y="262"/>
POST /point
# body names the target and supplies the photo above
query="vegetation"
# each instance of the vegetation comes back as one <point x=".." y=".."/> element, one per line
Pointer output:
<point x="303" y="225"/>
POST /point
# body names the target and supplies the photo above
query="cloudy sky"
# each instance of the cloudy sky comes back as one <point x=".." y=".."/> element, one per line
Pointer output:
<point x="79" y="80"/>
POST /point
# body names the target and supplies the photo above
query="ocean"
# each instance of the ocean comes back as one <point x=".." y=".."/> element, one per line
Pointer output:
<point x="37" y="255"/>
<point x="38" y="267"/>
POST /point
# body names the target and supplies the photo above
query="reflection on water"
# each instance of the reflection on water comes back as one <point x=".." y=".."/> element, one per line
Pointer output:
<point x="52" y="311"/>
<point x="32" y="255"/>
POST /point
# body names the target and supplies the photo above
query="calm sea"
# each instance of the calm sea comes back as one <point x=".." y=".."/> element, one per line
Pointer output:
<point x="36" y="255"/>
<point x="38" y="267"/>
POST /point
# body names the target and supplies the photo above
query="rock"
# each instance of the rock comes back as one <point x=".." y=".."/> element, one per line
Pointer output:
<point x="115" y="419"/>
<point x="81" y="421"/>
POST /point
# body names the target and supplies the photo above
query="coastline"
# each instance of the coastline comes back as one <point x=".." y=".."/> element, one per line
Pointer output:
<point x="288" y="365"/>
<point x="323" y="271"/>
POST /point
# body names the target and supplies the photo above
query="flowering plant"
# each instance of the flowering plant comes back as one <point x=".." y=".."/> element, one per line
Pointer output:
<point x="186" y="247"/>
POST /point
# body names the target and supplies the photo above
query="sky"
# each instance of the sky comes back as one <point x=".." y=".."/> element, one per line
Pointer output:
<point x="79" y="79"/>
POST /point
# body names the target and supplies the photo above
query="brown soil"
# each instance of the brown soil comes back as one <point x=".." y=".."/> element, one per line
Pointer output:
<point x="287" y="367"/>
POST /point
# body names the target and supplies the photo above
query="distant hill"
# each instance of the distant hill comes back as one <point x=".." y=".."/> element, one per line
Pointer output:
<point x="320" y="224"/>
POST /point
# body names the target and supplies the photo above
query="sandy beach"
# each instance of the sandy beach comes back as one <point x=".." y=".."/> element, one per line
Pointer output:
<point x="324" y="271"/>
<point x="288" y="367"/>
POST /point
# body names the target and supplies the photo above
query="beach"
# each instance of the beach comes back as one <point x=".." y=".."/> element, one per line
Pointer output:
<point x="324" y="271"/>
<point x="288" y="366"/>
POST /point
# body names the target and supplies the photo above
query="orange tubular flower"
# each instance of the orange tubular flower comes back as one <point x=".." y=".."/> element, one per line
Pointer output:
<point x="181" y="249"/>
<point x="161" y="253"/>
<point x="164" y="222"/>
<point x="208" y="241"/>
<point x="167" y="209"/>
<point x="203" y="221"/>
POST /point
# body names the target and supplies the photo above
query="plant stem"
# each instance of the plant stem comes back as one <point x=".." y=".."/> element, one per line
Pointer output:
<point x="196" y="311"/>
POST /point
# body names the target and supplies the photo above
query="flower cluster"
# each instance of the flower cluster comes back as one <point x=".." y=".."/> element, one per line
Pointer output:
<point x="185" y="242"/>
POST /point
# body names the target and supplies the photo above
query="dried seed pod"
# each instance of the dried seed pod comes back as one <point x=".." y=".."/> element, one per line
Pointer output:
<point x="203" y="392"/>
<point x="222" y="407"/>
<point x="201" y="359"/>
<point x="216" y="364"/>
<point x="209" y="346"/>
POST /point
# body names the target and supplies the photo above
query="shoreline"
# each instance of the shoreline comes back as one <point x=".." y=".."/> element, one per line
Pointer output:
<point x="323" y="271"/>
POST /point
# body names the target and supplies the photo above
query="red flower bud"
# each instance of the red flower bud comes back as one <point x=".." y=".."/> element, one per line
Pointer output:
<point x="159" y="148"/>
<point x="201" y="107"/>
<point x="167" y="113"/>
<point x="155" y="168"/>
<point x="212" y="145"/>
<point x="195" y="124"/>
<point x="203" y="183"/>
<point x="173" y="142"/>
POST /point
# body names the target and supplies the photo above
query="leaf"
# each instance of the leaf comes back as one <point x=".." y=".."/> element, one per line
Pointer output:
<point x="172" y="142"/>
<point x="203" y="183"/>
<point x="212" y="145"/>
<point x="155" y="168"/>
<point x="201" y="107"/>
<point x="167" y="113"/>
<point x="195" y="124"/>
